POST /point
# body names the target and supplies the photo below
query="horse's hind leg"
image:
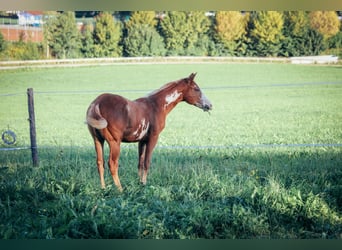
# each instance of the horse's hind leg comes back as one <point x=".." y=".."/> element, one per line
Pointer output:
<point x="100" y="161"/>
<point x="113" y="162"/>
<point x="98" y="141"/>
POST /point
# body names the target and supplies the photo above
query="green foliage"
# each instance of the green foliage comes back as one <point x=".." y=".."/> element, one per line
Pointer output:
<point x="196" y="42"/>
<point x="336" y="41"/>
<point x="87" y="48"/>
<point x="182" y="32"/>
<point x="268" y="26"/>
<point x="107" y="35"/>
<point x="300" y="38"/>
<point x="335" y="45"/>
<point x="2" y="43"/>
<point x="142" y="18"/>
<point x="296" y="23"/>
<point x="267" y="32"/>
<point x="229" y="33"/>
<point x="314" y="43"/>
<point x="22" y="51"/>
<point x="175" y="31"/>
<point x="62" y="36"/>
<point x="204" y="46"/>
<point x="230" y="28"/>
<point x="143" y="40"/>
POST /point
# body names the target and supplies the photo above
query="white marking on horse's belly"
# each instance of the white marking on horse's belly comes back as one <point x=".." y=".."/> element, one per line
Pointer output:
<point x="171" y="98"/>
<point x="142" y="130"/>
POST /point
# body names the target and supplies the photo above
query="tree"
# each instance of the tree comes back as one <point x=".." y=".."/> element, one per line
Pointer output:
<point x="107" y="35"/>
<point x="296" y="28"/>
<point x="335" y="42"/>
<point x="197" y="38"/>
<point x="142" y="17"/>
<point x="267" y="32"/>
<point x="143" y="40"/>
<point x="87" y="41"/>
<point x="175" y="31"/>
<point x="62" y="36"/>
<point x="300" y="38"/>
<point x="325" y="22"/>
<point x="314" y="42"/>
<point x="296" y="23"/>
<point x="2" y="42"/>
<point x="230" y="27"/>
<point x="183" y="31"/>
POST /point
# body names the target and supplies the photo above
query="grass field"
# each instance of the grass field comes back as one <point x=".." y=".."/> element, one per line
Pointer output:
<point x="266" y="163"/>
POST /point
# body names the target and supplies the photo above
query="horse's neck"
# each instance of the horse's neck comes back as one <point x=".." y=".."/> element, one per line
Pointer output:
<point x="167" y="97"/>
<point x="169" y="100"/>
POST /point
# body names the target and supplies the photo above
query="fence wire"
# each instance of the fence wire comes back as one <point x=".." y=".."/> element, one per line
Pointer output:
<point x="214" y="88"/>
<point x="167" y="147"/>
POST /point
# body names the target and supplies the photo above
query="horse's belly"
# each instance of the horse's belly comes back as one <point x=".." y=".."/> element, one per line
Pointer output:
<point x="137" y="133"/>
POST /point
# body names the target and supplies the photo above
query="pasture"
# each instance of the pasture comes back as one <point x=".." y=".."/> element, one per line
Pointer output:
<point x="265" y="163"/>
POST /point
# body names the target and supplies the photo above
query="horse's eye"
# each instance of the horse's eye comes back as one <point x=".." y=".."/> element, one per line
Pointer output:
<point x="197" y="89"/>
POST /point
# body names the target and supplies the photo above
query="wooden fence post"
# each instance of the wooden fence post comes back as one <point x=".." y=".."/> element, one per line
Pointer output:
<point x="32" y="121"/>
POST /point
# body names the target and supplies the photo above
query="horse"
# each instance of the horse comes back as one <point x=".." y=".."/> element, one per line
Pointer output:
<point x="115" y="119"/>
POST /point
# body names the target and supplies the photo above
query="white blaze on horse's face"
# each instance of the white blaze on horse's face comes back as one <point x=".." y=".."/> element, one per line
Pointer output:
<point x="142" y="130"/>
<point x="171" y="98"/>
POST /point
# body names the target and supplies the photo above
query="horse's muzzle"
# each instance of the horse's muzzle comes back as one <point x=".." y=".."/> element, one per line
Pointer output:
<point x="205" y="103"/>
<point x="207" y="107"/>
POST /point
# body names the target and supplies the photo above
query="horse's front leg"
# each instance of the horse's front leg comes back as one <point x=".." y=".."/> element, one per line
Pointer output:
<point x="150" y="144"/>
<point x="142" y="150"/>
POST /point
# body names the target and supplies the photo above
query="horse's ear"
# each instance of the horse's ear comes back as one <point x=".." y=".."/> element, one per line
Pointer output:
<point x="192" y="76"/>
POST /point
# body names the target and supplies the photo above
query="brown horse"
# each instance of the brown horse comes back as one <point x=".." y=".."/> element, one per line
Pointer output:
<point x="115" y="119"/>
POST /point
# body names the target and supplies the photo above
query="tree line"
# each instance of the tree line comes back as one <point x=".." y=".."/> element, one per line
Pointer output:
<point x="190" y="33"/>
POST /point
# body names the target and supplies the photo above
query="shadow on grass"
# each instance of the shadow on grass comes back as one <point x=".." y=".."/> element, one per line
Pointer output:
<point x="204" y="193"/>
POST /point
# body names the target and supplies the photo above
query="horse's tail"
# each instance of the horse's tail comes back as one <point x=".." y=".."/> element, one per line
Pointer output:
<point x="94" y="117"/>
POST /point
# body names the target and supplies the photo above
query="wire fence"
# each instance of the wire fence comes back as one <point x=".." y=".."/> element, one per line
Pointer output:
<point x="213" y="88"/>
<point x="192" y="147"/>
<point x="8" y="145"/>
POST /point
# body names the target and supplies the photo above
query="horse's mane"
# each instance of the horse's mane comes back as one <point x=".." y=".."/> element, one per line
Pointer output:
<point x="162" y="88"/>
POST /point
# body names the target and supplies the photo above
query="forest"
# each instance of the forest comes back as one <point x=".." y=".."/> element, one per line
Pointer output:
<point x="181" y="33"/>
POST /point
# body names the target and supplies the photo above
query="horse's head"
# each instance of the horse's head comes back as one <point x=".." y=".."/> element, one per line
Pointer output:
<point x="194" y="96"/>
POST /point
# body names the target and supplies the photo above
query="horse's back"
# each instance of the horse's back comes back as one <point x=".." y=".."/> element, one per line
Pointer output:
<point x="110" y="99"/>
<point x="113" y="106"/>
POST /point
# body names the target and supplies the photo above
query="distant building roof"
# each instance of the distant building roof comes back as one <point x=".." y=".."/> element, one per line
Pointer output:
<point x="34" y="12"/>
<point x="33" y="18"/>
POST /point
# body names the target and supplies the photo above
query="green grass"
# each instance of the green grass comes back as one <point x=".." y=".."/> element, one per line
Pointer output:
<point x="203" y="182"/>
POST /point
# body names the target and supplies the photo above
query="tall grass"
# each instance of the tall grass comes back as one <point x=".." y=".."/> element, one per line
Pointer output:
<point x="190" y="194"/>
<point x="208" y="179"/>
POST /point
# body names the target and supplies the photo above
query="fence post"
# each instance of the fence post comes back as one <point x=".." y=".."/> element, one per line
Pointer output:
<point x="32" y="121"/>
